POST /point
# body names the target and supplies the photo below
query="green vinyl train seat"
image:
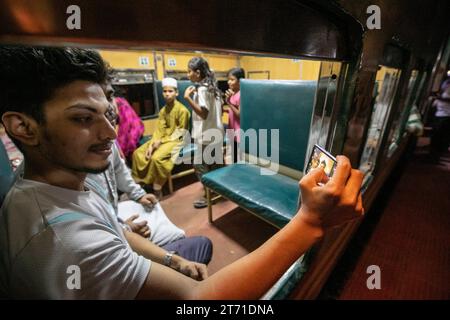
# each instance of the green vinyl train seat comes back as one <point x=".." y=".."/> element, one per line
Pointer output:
<point x="268" y="104"/>
<point x="274" y="199"/>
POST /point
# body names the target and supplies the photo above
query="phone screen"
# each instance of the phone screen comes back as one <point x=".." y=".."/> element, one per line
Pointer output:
<point x="321" y="158"/>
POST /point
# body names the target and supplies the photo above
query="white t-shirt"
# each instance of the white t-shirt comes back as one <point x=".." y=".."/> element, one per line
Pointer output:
<point x="206" y="99"/>
<point x="53" y="240"/>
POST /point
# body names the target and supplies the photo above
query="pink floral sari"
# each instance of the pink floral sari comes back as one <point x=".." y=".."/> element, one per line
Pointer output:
<point x="131" y="127"/>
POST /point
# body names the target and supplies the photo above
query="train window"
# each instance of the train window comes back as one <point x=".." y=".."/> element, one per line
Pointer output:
<point x="135" y="82"/>
<point x="396" y="128"/>
<point x="323" y="123"/>
<point x="418" y="95"/>
<point x="328" y="74"/>
<point x="384" y="93"/>
<point x="136" y="86"/>
<point x="420" y="92"/>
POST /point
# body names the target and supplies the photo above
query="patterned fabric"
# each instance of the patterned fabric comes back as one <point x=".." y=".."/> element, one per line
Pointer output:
<point x="131" y="127"/>
<point x="234" y="122"/>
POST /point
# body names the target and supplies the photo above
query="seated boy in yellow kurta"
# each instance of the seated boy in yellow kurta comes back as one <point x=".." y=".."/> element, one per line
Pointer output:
<point x="154" y="160"/>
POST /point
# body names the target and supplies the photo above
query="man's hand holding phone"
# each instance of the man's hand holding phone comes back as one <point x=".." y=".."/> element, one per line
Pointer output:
<point x="336" y="201"/>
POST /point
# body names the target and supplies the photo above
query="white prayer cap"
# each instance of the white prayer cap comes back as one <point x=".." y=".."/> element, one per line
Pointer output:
<point x="169" y="82"/>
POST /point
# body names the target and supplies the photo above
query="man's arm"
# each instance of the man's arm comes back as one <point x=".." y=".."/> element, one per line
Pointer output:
<point x="336" y="202"/>
<point x="160" y="127"/>
<point x="126" y="183"/>
<point x="239" y="279"/>
<point x="124" y="180"/>
<point x="152" y="252"/>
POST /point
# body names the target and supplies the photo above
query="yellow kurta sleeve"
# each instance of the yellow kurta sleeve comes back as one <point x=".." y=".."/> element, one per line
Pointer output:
<point x="160" y="131"/>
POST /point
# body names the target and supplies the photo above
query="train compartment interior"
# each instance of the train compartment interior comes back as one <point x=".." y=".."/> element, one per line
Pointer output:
<point x="315" y="73"/>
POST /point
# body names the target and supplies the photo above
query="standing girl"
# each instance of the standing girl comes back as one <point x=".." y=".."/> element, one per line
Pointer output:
<point x="207" y="129"/>
<point x="233" y="99"/>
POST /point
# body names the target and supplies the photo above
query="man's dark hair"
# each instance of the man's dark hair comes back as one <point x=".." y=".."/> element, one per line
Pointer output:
<point x="30" y="75"/>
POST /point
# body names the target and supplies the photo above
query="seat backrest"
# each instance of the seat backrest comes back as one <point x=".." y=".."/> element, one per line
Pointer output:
<point x="7" y="176"/>
<point x="279" y="104"/>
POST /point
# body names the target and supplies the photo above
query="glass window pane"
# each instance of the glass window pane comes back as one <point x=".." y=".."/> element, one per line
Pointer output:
<point x="384" y="93"/>
<point x="136" y="86"/>
<point x="323" y="124"/>
<point x="394" y="135"/>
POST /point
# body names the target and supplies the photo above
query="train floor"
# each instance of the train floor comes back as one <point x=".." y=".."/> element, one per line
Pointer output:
<point x="406" y="234"/>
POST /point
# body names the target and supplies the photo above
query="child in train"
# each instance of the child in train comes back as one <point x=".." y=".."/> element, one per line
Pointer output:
<point x="154" y="160"/>
<point x="207" y="128"/>
<point x="233" y="100"/>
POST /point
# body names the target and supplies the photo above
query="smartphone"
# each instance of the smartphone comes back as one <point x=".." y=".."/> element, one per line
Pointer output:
<point x="321" y="157"/>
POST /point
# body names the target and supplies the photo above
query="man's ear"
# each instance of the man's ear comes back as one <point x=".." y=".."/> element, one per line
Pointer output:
<point x="21" y="127"/>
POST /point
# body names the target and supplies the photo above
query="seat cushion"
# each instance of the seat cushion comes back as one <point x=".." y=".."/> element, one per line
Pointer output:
<point x="274" y="198"/>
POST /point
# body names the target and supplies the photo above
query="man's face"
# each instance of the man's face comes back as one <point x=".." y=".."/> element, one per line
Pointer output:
<point x="170" y="94"/>
<point x="109" y="92"/>
<point x="77" y="133"/>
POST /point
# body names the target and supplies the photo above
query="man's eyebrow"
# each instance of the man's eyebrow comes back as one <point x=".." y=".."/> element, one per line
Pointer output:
<point x="82" y="106"/>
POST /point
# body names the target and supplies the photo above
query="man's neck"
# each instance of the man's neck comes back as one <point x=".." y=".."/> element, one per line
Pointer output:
<point x="55" y="176"/>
